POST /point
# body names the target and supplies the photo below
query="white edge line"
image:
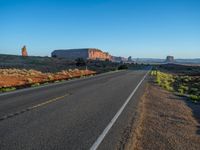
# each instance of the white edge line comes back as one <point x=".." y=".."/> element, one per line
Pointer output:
<point x="111" y="123"/>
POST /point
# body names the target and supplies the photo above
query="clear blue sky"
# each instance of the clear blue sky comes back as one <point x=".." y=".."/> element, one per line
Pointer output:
<point x="137" y="28"/>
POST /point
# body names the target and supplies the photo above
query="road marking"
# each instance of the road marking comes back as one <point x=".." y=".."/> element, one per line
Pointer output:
<point x="49" y="101"/>
<point x="111" y="123"/>
<point x="32" y="107"/>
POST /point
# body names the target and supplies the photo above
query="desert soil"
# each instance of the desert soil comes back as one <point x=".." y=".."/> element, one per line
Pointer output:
<point x="166" y="122"/>
<point x="19" y="77"/>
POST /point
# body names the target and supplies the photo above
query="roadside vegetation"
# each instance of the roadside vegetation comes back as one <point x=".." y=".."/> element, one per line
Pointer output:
<point x="12" y="79"/>
<point x="183" y="85"/>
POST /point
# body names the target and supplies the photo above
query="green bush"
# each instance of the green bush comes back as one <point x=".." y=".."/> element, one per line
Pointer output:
<point x="121" y="67"/>
<point x="80" y="62"/>
<point x="35" y="84"/>
<point x="194" y="90"/>
<point x="181" y="91"/>
<point x="7" y="89"/>
<point x="185" y="88"/>
<point x="194" y="97"/>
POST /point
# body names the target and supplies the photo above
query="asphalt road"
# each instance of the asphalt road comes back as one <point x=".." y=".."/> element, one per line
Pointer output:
<point x="71" y="115"/>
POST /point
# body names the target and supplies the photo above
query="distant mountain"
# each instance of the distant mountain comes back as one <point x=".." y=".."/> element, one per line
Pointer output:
<point x="188" y="61"/>
<point x="157" y="60"/>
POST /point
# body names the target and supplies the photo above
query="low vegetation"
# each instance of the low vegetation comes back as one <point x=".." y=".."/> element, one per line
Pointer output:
<point x="184" y="85"/>
<point x="10" y="79"/>
<point x="122" y="67"/>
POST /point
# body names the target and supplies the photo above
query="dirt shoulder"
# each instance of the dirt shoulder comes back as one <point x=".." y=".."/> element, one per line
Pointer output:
<point x="166" y="122"/>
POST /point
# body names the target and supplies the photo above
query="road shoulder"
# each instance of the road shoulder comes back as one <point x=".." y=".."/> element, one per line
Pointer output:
<point x="165" y="122"/>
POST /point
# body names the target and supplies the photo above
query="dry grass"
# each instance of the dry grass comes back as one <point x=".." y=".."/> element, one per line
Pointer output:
<point x="19" y="77"/>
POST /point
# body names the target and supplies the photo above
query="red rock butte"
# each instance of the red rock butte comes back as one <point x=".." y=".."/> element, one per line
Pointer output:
<point x="85" y="53"/>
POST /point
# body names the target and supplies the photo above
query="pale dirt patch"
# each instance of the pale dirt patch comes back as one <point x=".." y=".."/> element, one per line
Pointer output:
<point x="166" y="122"/>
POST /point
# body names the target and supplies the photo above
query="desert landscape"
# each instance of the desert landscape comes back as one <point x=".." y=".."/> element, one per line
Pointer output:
<point x="100" y="75"/>
<point x="10" y="79"/>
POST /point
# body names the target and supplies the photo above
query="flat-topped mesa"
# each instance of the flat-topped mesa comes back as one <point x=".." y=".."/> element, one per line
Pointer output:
<point x="85" y="53"/>
<point x="24" y="51"/>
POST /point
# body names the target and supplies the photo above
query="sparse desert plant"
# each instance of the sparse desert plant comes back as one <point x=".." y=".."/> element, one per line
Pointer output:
<point x="194" y="91"/>
<point x="50" y="77"/>
<point x="185" y="88"/>
<point x="7" y="89"/>
<point x="121" y="67"/>
<point x="35" y="84"/>
<point x="181" y="91"/>
<point x="29" y="80"/>
<point x="194" y="98"/>
<point x="80" y="62"/>
<point x="76" y="70"/>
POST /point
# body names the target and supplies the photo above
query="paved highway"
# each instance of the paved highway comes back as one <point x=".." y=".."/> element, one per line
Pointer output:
<point x="91" y="113"/>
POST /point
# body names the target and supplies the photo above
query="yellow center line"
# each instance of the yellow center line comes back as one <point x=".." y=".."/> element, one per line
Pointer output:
<point x="48" y="101"/>
<point x="33" y="107"/>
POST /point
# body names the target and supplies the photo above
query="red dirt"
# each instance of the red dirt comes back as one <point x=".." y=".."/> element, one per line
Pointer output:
<point x="17" y="77"/>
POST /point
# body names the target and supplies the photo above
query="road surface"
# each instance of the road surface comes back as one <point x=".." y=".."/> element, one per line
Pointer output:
<point x="71" y="115"/>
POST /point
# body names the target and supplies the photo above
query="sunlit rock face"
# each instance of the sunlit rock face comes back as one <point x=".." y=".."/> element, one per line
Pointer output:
<point x="24" y="51"/>
<point x="94" y="54"/>
<point x="85" y="53"/>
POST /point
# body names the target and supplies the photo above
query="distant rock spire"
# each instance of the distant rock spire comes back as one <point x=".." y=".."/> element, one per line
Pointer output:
<point x="24" y="51"/>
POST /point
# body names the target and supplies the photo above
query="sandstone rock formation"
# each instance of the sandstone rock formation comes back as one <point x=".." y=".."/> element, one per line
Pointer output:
<point x="98" y="54"/>
<point x="170" y="59"/>
<point x="85" y="53"/>
<point x="24" y="51"/>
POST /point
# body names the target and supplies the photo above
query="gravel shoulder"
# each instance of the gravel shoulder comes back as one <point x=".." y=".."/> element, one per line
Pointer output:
<point x="166" y="121"/>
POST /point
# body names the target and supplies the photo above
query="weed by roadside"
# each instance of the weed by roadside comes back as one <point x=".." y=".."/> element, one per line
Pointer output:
<point x="7" y="89"/>
<point x="188" y="86"/>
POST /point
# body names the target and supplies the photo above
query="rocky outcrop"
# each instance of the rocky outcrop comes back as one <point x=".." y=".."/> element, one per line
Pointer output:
<point x="24" y="51"/>
<point x="170" y="59"/>
<point x="118" y="59"/>
<point x="85" y="53"/>
<point x="98" y="54"/>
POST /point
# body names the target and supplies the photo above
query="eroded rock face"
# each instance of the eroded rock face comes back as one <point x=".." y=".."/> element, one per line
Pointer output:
<point x="24" y="51"/>
<point x="98" y="54"/>
<point x="85" y="53"/>
<point x="170" y="59"/>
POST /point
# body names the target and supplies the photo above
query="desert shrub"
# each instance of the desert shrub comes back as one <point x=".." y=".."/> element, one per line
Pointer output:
<point x="194" y="91"/>
<point x="50" y="77"/>
<point x="181" y="91"/>
<point x="158" y="81"/>
<point x="169" y="88"/>
<point x="185" y="88"/>
<point x="122" y="67"/>
<point x="29" y="80"/>
<point x="80" y="62"/>
<point x="35" y="84"/>
<point x="194" y="97"/>
<point x="76" y="70"/>
<point x="7" y="89"/>
<point x="153" y="72"/>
